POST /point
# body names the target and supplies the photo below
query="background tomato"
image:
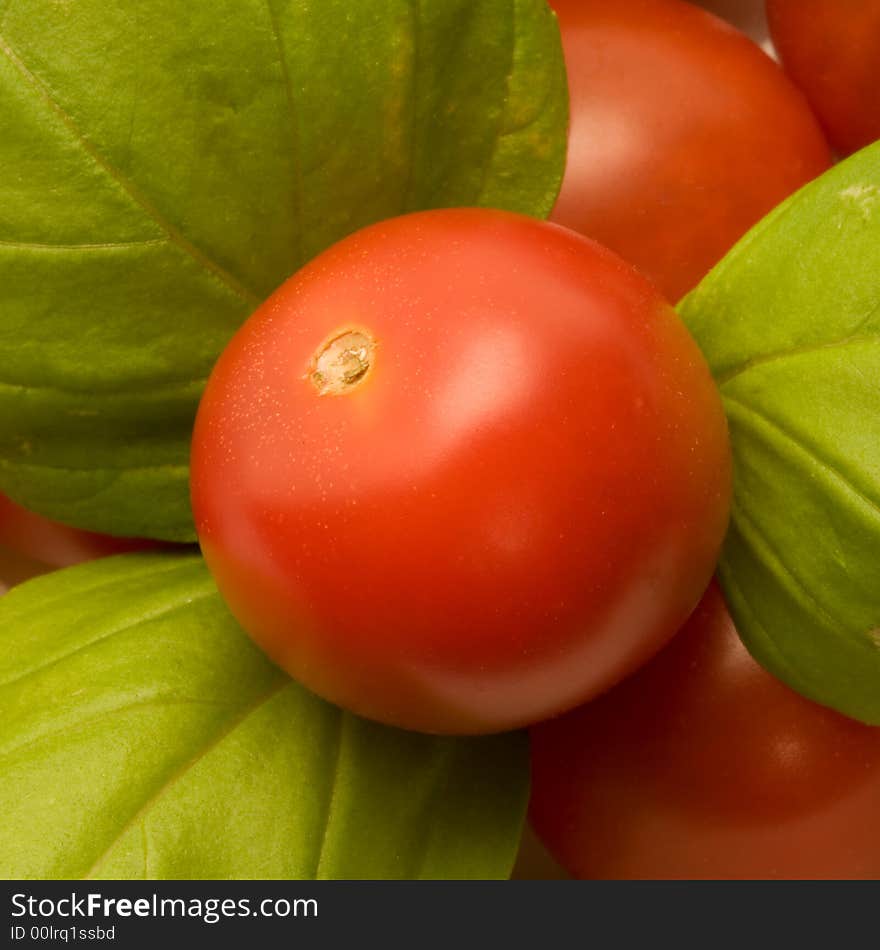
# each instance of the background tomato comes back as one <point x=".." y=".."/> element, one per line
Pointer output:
<point x="515" y="504"/>
<point x="31" y="544"/>
<point x="703" y="765"/>
<point x="831" y="49"/>
<point x="683" y="135"/>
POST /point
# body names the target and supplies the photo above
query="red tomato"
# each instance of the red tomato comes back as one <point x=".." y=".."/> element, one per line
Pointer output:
<point x="53" y="544"/>
<point x="831" y="49"/>
<point x="703" y="765"/>
<point x="684" y="134"/>
<point x="461" y="472"/>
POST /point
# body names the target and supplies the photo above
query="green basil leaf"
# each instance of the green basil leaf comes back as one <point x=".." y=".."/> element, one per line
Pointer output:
<point x="790" y="323"/>
<point x="166" y="165"/>
<point x="142" y="735"/>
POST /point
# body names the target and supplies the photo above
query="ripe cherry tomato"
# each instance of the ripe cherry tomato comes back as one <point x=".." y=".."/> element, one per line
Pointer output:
<point x="53" y="544"/>
<point x="703" y="765"/>
<point x="831" y="49"/>
<point x="462" y="471"/>
<point x="683" y="135"/>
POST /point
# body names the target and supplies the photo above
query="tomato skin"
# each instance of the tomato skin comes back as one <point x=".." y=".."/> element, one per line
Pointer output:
<point x="518" y="504"/>
<point x="703" y="765"/>
<point x="53" y="544"/>
<point x="832" y="51"/>
<point x="683" y="135"/>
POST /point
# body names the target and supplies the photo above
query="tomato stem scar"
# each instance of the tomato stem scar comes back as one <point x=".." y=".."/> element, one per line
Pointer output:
<point x="341" y="363"/>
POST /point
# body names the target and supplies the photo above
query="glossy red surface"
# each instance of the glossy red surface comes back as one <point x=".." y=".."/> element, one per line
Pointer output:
<point x="519" y="503"/>
<point x="831" y="49"/>
<point x="683" y="135"/>
<point x="703" y="765"/>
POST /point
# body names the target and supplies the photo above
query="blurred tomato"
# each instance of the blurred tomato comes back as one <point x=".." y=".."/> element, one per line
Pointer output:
<point x="683" y="135"/>
<point x="43" y="542"/>
<point x="703" y="765"/>
<point x="831" y="49"/>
